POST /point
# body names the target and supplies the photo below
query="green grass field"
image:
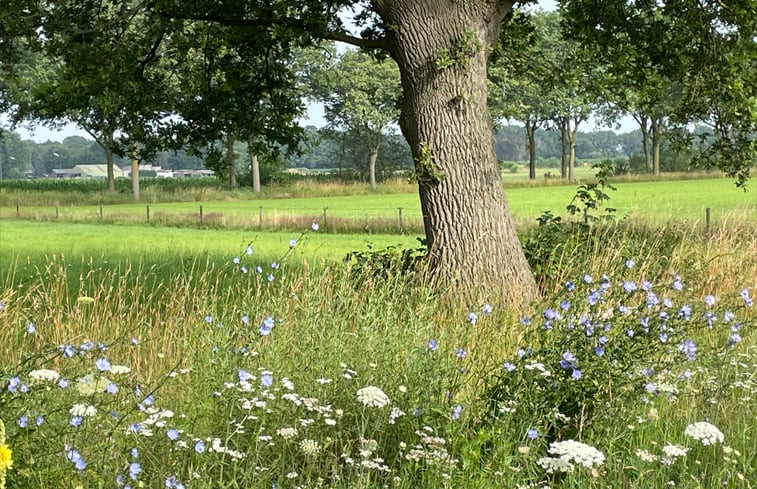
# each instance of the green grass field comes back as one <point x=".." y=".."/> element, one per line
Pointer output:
<point x="654" y="201"/>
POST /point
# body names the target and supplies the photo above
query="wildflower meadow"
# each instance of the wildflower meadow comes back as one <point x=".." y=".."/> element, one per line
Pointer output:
<point x="634" y="370"/>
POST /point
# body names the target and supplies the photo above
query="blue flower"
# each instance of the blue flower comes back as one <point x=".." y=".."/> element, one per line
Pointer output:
<point x="487" y="309"/>
<point x="134" y="453"/>
<point x="576" y="375"/>
<point x="259" y="269"/>
<point x="39" y="420"/>
<point x="208" y="319"/>
<point x="472" y="317"/>
<point x="200" y="446"/>
<point x="68" y="350"/>
<point x="13" y="384"/>
<point x="456" y="412"/>
<point x="588" y="279"/>
<point x="532" y="434"/>
<point x="568" y="357"/>
<point x="432" y="345"/>
<point x="111" y="388"/>
<point x="709" y="300"/>
<point x="688" y="348"/>
<point x="248" y="251"/>
<point x="650" y="387"/>
<point x="525" y="321"/>
<point x="677" y="284"/>
<point x="23" y="421"/>
<point x="172" y="434"/>
<point x="292" y="243"/>
<point x="102" y="364"/>
<point x="134" y="428"/>
<point x="76" y="421"/>
<point x="647" y="372"/>
<point x="461" y="353"/>
<point x="266" y="378"/>
<point x="629" y="286"/>
<point x="134" y="469"/>
<point x="599" y="351"/>
<point x="243" y="269"/>
<point x="134" y="342"/>
<point x="266" y="326"/>
<point x="245" y="318"/>
<point x="728" y="316"/>
<point x="735" y="338"/>
<point x="63" y="383"/>
<point x="30" y="328"/>
<point x="745" y="295"/>
<point x="646" y="285"/>
<point x="565" y="305"/>
<point x="236" y="260"/>
<point x="652" y="299"/>
<point x="509" y="366"/>
<point x="570" y="286"/>
<point x="75" y="457"/>
<point x="630" y="263"/>
<point x="270" y="277"/>
<point x="244" y="375"/>
<point x="315" y="226"/>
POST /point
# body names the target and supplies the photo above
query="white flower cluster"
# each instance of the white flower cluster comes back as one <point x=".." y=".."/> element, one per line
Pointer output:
<point x="83" y="410"/>
<point x="310" y="448"/>
<point x="704" y="432"/>
<point x="372" y="396"/>
<point x="552" y="465"/>
<point x="44" y="374"/>
<point x="674" y="451"/>
<point x="576" y="452"/>
<point x="287" y="433"/>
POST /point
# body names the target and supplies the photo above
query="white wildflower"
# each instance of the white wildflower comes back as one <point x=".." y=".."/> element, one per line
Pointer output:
<point x="552" y="465"/>
<point x="310" y="448"/>
<point x="704" y="432"/>
<point x="82" y="410"/>
<point x="287" y="433"/>
<point x="44" y="374"/>
<point x="674" y="451"/>
<point x="119" y="369"/>
<point x="580" y="453"/>
<point x="372" y="396"/>
<point x="645" y="456"/>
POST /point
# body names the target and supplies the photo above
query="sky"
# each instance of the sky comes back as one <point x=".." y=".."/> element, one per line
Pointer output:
<point x="314" y="115"/>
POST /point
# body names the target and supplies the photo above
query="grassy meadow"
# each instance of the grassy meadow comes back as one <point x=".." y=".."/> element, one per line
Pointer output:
<point x="656" y="202"/>
<point x="162" y="357"/>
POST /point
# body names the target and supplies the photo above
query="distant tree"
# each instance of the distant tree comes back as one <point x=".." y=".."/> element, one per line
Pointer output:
<point x="361" y="97"/>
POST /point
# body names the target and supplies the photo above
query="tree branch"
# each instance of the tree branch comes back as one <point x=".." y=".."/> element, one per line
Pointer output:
<point x="380" y="43"/>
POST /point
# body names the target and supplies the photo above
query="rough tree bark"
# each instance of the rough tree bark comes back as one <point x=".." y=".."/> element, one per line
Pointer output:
<point x="441" y="47"/>
<point x="563" y="149"/>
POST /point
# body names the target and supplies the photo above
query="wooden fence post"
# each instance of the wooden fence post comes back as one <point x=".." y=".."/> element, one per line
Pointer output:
<point x="325" y="210"/>
<point x="148" y="212"/>
<point x="707" y="219"/>
<point x="18" y="211"/>
<point x="56" y="212"/>
<point x="200" y="214"/>
<point x="399" y="217"/>
<point x="101" y="210"/>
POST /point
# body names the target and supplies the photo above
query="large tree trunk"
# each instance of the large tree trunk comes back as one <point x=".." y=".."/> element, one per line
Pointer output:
<point x="372" y="160"/>
<point x="109" y="164"/>
<point x="135" y="169"/>
<point x="530" y="129"/>
<point x="656" y="124"/>
<point x="230" y="159"/>
<point x="473" y="246"/>
<point x="254" y="164"/>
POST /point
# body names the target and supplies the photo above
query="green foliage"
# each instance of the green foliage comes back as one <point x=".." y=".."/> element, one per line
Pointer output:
<point x="382" y="263"/>
<point x="591" y="196"/>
